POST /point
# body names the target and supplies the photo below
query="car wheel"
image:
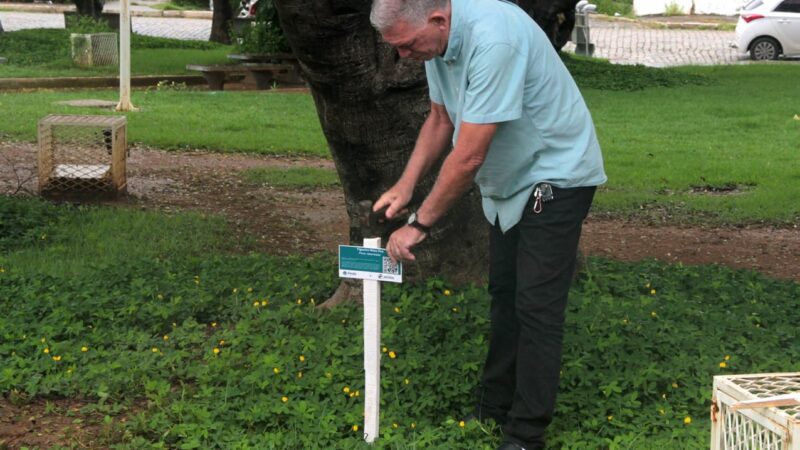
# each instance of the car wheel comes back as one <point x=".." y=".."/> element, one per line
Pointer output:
<point x="764" y="48"/>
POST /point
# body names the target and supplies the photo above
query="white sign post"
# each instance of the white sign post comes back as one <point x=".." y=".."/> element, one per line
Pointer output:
<point x="372" y="352"/>
<point x="124" y="58"/>
<point x="371" y="264"/>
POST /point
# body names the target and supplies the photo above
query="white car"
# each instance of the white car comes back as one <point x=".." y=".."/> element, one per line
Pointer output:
<point x="768" y="29"/>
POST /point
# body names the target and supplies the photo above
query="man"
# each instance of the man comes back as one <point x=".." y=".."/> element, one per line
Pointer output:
<point x="518" y="126"/>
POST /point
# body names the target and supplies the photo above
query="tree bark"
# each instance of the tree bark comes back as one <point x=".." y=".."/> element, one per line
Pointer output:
<point x="221" y="21"/>
<point x="92" y="8"/>
<point x="371" y="105"/>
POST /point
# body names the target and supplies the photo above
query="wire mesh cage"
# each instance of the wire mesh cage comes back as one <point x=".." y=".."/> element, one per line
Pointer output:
<point x="82" y="155"/>
<point x="96" y="49"/>
<point x="737" y="426"/>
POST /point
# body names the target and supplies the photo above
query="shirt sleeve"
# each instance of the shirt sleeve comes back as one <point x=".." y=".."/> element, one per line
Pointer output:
<point x="496" y="81"/>
<point x="434" y="91"/>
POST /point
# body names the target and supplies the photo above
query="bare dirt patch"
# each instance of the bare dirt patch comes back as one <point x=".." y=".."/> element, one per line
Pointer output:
<point x="289" y="221"/>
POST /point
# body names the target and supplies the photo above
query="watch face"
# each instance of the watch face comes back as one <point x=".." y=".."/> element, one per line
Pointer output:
<point x="412" y="218"/>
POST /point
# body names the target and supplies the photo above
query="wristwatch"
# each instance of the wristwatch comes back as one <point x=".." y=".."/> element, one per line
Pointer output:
<point x="413" y="222"/>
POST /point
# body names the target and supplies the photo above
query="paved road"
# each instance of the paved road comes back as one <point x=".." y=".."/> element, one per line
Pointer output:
<point x="622" y="42"/>
<point x="178" y="28"/>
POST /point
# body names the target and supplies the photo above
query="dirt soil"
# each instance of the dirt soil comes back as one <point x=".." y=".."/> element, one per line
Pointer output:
<point x="306" y="222"/>
<point x="309" y="221"/>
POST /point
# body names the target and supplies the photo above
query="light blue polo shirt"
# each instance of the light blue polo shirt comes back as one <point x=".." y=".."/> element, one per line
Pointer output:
<point x="500" y="67"/>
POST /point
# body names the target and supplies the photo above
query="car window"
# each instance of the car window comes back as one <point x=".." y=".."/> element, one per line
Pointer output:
<point x="753" y="5"/>
<point x="789" y="6"/>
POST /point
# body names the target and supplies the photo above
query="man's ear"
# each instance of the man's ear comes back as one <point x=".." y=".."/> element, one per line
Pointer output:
<point x="439" y="18"/>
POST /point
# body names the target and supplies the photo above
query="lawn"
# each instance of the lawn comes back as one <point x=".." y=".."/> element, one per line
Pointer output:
<point x="681" y="146"/>
<point x="175" y="341"/>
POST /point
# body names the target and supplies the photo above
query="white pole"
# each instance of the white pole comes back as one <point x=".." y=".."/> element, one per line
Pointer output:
<point x="124" y="58"/>
<point x="372" y="352"/>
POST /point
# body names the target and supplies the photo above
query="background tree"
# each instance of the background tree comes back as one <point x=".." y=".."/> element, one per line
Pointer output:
<point x="223" y="13"/>
<point x="371" y="105"/>
<point x="92" y="8"/>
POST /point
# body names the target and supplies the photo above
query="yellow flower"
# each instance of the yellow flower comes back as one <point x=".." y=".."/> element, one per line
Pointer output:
<point x="610" y="418"/>
<point x="196" y="279"/>
<point x="687" y="420"/>
<point x="653" y="314"/>
<point x="213" y="324"/>
<point x="392" y="355"/>
<point x="462" y="424"/>
<point x="328" y="375"/>
<point x="216" y="351"/>
<point x="406" y="381"/>
<point x="166" y="337"/>
<point x="355" y="427"/>
<point x="394" y="425"/>
<point x="44" y="340"/>
<point x="264" y="302"/>
<point x="397" y="309"/>
<point x="358" y="393"/>
<point x="84" y="349"/>
<point x="384" y="349"/>
<point x="352" y="394"/>
<point x="447" y="292"/>
<point x="222" y="342"/>
<point x="249" y="290"/>
<point x="455" y="309"/>
<point x="301" y="358"/>
<point x="2" y="270"/>
<point x="652" y="292"/>
<point x="46" y="350"/>
<point x="413" y="425"/>
<point x="299" y="301"/>
<point x="56" y="358"/>
<point x="160" y="297"/>
<point x="235" y="290"/>
<point x="276" y="370"/>
<point x="661" y="411"/>
<point x="256" y="303"/>
<point x="675" y="385"/>
<point x="154" y="349"/>
<point x="647" y="285"/>
<point x="44" y="236"/>
<point x="723" y="365"/>
<point x="284" y="399"/>
<point x="346" y="389"/>
<point x="727" y="357"/>
<point x="299" y="374"/>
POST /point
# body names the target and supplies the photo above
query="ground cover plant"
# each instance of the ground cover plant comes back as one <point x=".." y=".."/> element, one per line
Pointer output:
<point x="173" y="341"/>
<point x="46" y="53"/>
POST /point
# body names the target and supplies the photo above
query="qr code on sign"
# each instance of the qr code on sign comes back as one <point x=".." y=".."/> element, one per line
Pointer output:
<point x="390" y="266"/>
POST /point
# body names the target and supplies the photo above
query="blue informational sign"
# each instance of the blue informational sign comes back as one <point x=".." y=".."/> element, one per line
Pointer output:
<point x="367" y="263"/>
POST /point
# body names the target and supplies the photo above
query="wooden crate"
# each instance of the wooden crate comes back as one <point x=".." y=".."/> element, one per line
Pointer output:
<point x="759" y="428"/>
<point x="83" y="155"/>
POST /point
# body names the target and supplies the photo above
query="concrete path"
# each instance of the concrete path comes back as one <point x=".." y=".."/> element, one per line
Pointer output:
<point x="619" y="41"/>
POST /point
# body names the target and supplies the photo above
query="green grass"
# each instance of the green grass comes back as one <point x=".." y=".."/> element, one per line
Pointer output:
<point x="46" y="53"/>
<point x="611" y="7"/>
<point x="129" y="308"/>
<point x="661" y="144"/>
<point x="228" y="121"/>
<point x="295" y="177"/>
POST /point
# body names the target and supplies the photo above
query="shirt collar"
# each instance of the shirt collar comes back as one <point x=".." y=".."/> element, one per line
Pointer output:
<point x="455" y="38"/>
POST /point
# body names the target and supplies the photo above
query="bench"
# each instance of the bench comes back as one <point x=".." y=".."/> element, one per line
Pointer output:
<point x="263" y="74"/>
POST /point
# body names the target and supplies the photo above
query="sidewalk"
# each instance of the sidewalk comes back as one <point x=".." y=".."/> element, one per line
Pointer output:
<point x="141" y="8"/>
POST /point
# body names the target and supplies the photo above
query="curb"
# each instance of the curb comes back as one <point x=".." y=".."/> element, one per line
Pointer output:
<point x="94" y="82"/>
<point x="57" y="9"/>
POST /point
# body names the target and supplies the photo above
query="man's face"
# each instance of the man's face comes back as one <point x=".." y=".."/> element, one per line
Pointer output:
<point x="419" y="42"/>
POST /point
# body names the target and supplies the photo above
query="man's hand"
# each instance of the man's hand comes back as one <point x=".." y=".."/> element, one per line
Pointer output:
<point x="402" y="241"/>
<point x="394" y="200"/>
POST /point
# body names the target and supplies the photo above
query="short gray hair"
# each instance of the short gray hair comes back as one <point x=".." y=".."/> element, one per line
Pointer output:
<point x="386" y="13"/>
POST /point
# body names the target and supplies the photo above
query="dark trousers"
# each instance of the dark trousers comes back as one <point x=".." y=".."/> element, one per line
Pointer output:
<point x="531" y="269"/>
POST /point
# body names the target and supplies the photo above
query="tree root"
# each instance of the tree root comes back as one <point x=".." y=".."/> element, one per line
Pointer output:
<point x="348" y="291"/>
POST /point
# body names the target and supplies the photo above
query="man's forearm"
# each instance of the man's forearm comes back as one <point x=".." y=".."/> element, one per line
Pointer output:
<point x="434" y="138"/>
<point x="458" y="171"/>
